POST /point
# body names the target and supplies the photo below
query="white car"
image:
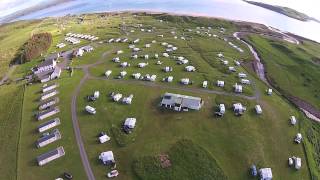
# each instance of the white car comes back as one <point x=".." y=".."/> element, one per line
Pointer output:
<point x="113" y="173"/>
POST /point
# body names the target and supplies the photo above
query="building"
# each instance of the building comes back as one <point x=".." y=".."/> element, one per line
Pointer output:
<point x="239" y="109"/>
<point x="269" y="91"/>
<point x="49" y="124"/>
<point x="298" y="138"/>
<point x="245" y="81"/>
<point x="107" y="158"/>
<point x="130" y="123"/>
<point x="50" y="112"/>
<point x="48" y="95"/>
<point x="237" y="88"/>
<point x="127" y="100"/>
<point x="185" y="81"/>
<point x="190" y="68"/>
<point x="242" y="75"/>
<point x="205" y="84"/>
<point x="47" y="139"/>
<point x="258" y="109"/>
<point x="87" y="48"/>
<point x="104" y="138"/>
<point x="47" y="88"/>
<point x="293" y="120"/>
<point x="50" y="156"/>
<point x="220" y="83"/>
<point x="48" y="103"/>
<point x="222" y="110"/>
<point x="179" y="102"/>
<point x="48" y="69"/>
<point x="265" y="174"/>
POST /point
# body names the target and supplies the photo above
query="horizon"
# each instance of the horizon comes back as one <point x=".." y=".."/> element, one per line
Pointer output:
<point x="309" y="7"/>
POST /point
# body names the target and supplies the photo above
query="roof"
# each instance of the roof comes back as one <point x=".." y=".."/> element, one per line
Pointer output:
<point x="56" y="151"/>
<point x="266" y="173"/>
<point x="47" y="111"/>
<point x="48" y="122"/>
<point x="186" y="101"/>
<point x="106" y="156"/>
<point x="51" y="135"/>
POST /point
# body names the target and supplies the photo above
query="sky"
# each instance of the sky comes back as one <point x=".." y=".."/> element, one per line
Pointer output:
<point x="309" y="7"/>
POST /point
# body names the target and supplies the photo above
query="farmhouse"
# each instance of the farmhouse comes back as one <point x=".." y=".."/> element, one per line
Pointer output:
<point x="48" y="69"/>
<point x="49" y="124"/>
<point x="179" y="102"/>
<point x="107" y="158"/>
<point x="47" y="139"/>
<point x="50" y="156"/>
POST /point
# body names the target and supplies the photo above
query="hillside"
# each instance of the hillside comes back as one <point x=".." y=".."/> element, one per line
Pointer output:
<point x="285" y="11"/>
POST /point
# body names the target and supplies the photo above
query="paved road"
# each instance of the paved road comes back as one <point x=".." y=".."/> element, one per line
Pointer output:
<point x="75" y="122"/>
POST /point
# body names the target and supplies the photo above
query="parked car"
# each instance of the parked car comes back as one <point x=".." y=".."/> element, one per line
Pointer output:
<point x="67" y="175"/>
<point x="113" y="173"/>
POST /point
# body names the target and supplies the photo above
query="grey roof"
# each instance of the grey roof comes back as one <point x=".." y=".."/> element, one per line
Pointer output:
<point x="48" y="122"/>
<point x="53" y="90"/>
<point x="47" y="111"/>
<point x="185" y="101"/>
<point x="55" y="99"/>
<point x="47" y="137"/>
<point x="51" y="57"/>
<point x="50" y="153"/>
<point x="44" y="74"/>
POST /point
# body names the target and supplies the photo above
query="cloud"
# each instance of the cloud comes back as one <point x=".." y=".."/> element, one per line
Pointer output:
<point x="10" y="6"/>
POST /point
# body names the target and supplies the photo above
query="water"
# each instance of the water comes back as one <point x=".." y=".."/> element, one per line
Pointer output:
<point x="230" y="9"/>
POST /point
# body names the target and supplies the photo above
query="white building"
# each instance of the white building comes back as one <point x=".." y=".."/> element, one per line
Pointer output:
<point x="222" y="110"/>
<point x="130" y="123"/>
<point x="123" y="74"/>
<point x="142" y="65"/>
<point x="50" y="87"/>
<point x="116" y="59"/>
<point x="124" y="64"/>
<point x="50" y="138"/>
<point x="107" y="158"/>
<point x="242" y="75"/>
<point x="269" y="91"/>
<point x="265" y="174"/>
<point x="190" y="68"/>
<point x="116" y="97"/>
<point x="205" y="84"/>
<point x="49" y="95"/>
<point x="293" y="120"/>
<point x="108" y="73"/>
<point x="136" y="75"/>
<point x="245" y="81"/>
<point x="49" y="124"/>
<point x="237" y="88"/>
<point x="50" y="156"/>
<point x="167" y="69"/>
<point x="48" y="103"/>
<point x="298" y="138"/>
<point x="185" y="81"/>
<point x="168" y="79"/>
<point x="220" y="83"/>
<point x="180" y="102"/>
<point x="104" y="138"/>
<point x="45" y="114"/>
<point x="239" y="109"/>
<point x="127" y="100"/>
<point x="258" y="109"/>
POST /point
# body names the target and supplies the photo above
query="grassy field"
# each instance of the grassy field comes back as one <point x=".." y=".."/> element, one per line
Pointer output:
<point x="194" y="141"/>
<point x="292" y="69"/>
<point x="71" y="162"/>
<point x="10" y="110"/>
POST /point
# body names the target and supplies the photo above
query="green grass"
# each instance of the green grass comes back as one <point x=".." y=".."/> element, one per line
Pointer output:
<point x="188" y="161"/>
<point x="10" y="110"/>
<point x="71" y="162"/>
<point x="290" y="68"/>
<point x="265" y="140"/>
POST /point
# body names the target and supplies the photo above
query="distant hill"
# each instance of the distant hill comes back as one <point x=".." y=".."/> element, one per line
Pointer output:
<point x="285" y="11"/>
